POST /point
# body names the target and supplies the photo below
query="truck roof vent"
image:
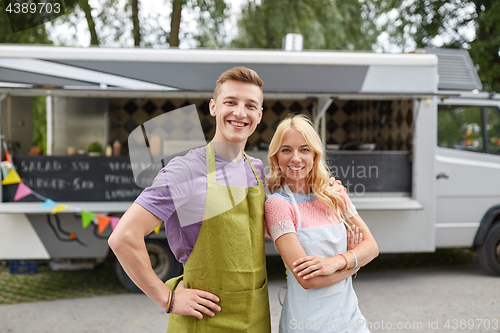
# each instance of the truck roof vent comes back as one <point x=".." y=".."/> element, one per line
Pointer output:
<point x="456" y="70"/>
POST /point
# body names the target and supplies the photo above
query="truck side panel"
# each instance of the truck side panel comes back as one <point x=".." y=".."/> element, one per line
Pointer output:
<point x="19" y="240"/>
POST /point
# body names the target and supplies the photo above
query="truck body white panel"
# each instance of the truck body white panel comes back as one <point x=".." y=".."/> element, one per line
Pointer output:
<point x="18" y="239"/>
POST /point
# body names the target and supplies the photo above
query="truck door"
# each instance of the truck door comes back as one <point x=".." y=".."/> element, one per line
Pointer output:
<point x="467" y="168"/>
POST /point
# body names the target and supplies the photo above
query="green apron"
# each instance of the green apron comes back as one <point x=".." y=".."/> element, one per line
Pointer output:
<point x="228" y="260"/>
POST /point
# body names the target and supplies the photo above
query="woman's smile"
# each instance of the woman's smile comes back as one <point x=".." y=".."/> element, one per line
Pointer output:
<point x="295" y="159"/>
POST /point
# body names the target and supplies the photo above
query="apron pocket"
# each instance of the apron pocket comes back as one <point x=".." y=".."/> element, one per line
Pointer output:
<point x="243" y="311"/>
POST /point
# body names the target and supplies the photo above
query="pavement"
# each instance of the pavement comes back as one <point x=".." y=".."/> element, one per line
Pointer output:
<point x="459" y="298"/>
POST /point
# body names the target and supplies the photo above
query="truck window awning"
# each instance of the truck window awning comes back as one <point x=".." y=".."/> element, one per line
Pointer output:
<point x="197" y="70"/>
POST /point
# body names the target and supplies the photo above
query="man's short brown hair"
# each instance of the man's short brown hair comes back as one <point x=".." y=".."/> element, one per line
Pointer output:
<point x="241" y="74"/>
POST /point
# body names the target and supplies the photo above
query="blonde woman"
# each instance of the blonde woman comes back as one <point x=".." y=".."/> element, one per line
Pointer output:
<point x="309" y="221"/>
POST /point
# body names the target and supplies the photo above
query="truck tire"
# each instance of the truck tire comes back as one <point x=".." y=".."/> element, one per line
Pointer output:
<point x="162" y="260"/>
<point x="489" y="251"/>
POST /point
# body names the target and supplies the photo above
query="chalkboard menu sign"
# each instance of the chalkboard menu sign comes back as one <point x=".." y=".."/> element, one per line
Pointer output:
<point x="75" y="178"/>
<point x="367" y="171"/>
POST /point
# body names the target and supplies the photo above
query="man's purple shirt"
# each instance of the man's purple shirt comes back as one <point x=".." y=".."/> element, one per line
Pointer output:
<point x="179" y="191"/>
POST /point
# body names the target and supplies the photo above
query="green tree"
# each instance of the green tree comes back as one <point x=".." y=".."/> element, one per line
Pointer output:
<point x="324" y="24"/>
<point x="441" y="23"/>
<point x="36" y="35"/>
<point x="213" y="16"/>
<point x="485" y="49"/>
<point x="125" y="23"/>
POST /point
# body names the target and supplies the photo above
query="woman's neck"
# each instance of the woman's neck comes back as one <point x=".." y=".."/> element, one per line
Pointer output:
<point x="299" y="187"/>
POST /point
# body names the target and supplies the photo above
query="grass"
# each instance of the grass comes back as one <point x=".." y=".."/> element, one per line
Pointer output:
<point x="51" y="285"/>
<point x="48" y="285"/>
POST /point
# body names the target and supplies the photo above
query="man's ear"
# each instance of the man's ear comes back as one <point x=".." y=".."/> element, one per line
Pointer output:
<point x="260" y="115"/>
<point x="211" y="107"/>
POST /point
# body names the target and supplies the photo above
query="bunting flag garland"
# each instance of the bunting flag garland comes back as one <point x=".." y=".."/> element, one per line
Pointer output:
<point x="87" y="217"/>
<point x="12" y="178"/>
<point x="22" y="191"/>
<point x="49" y="203"/>
<point x="102" y="222"/>
<point x="114" y="222"/>
<point x="7" y="155"/>
<point x="59" y="208"/>
<point x="157" y="229"/>
<point x="5" y="172"/>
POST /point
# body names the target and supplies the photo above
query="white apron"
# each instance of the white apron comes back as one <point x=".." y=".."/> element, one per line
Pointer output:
<point x="328" y="309"/>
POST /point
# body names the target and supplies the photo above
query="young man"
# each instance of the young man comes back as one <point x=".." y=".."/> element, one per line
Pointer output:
<point x="212" y="202"/>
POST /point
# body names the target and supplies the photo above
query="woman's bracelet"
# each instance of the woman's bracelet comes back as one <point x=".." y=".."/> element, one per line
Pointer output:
<point x="355" y="259"/>
<point x="346" y="262"/>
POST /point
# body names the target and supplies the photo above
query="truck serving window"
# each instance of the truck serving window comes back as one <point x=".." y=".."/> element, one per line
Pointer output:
<point x="459" y="127"/>
<point x="493" y="129"/>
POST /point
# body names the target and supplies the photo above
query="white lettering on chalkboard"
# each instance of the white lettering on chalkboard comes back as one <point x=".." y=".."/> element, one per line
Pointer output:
<point x="79" y="166"/>
<point x="118" y="179"/>
<point x="46" y="183"/>
<point x="117" y="166"/>
<point x="121" y="194"/>
<point x="41" y="166"/>
<point x="79" y="184"/>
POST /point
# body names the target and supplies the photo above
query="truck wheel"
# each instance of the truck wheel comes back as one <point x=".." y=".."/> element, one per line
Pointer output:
<point x="489" y="251"/>
<point x="162" y="260"/>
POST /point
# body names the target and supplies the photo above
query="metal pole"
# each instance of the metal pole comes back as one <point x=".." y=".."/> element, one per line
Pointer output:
<point x="2" y="97"/>
<point x="323" y="105"/>
<point x="323" y="135"/>
<point x="50" y="127"/>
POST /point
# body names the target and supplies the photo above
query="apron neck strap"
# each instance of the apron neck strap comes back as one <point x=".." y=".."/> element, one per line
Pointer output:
<point x="211" y="174"/>
<point x="290" y="194"/>
<point x="253" y="169"/>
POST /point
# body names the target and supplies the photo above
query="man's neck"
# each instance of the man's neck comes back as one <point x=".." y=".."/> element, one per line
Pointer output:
<point x="228" y="150"/>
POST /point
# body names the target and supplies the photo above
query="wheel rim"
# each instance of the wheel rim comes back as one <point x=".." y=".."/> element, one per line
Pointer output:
<point x="497" y="252"/>
<point x="159" y="259"/>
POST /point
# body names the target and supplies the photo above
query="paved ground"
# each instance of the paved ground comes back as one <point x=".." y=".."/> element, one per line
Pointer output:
<point x="415" y="300"/>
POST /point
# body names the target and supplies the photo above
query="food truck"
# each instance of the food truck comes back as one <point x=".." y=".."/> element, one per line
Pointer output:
<point x="411" y="137"/>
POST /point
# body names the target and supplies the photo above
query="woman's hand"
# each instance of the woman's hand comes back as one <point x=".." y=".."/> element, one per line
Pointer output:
<point x="354" y="237"/>
<point x="194" y="302"/>
<point x="312" y="266"/>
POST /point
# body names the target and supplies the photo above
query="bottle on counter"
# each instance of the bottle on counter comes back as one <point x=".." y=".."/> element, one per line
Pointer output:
<point x="117" y="148"/>
<point x="109" y="150"/>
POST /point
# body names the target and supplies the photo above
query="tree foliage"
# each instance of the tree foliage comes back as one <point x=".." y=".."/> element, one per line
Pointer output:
<point x="36" y="35"/>
<point x="485" y="49"/>
<point x="324" y="24"/>
<point x="136" y="23"/>
<point x="440" y="23"/>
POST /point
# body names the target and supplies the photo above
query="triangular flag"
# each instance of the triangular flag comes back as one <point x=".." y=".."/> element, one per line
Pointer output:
<point x="87" y="217"/>
<point x="12" y="178"/>
<point x="7" y="156"/>
<point x="157" y="230"/>
<point x="114" y="222"/>
<point x="59" y="208"/>
<point x="22" y="191"/>
<point x="48" y="204"/>
<point x="5" y="172"/>
<point x="102" y="222"/>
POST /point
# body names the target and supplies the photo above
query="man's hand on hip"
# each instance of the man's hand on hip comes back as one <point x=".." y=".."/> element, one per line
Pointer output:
<point x="194" y="302"/>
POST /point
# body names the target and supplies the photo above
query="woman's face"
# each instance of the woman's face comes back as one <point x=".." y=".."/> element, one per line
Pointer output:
<point x="295" y="159"/>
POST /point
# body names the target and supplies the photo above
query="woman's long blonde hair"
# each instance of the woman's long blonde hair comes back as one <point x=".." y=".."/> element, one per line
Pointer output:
<point x="318" y="177"/>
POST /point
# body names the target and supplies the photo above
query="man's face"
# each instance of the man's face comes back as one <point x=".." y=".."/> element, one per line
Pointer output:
<point x="237" y="111"/>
